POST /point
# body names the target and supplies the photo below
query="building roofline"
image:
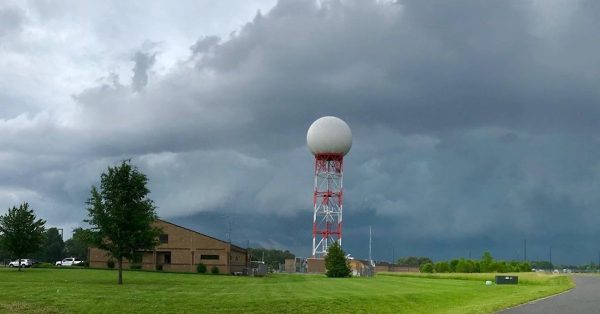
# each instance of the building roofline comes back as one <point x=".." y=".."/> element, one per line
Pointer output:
<point x="202" y="234"/>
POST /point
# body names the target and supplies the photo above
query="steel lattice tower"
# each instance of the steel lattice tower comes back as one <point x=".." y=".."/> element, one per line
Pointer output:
<point x="328" y="202"/>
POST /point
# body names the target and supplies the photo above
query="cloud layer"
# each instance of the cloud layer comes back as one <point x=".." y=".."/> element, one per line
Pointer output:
<point x="475" y="125"/>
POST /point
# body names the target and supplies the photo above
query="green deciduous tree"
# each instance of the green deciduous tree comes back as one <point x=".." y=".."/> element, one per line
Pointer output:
<point x="53" y="247"/>
<point x="20" y="232"/>
<point x="336" y="264"/>
<point x="486" y="262"/>
<point x="121" y="214"/>
<point x="441" y="267"/>
<point x="77" y="245"/>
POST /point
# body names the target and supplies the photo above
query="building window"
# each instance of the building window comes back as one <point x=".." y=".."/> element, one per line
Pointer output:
<point x="167" y="259"/>
<point x="163" y="238"/>
<point x="209" y="256"/>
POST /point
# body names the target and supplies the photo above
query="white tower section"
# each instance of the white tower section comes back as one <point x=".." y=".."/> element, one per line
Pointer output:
<point x="329" y="139"/>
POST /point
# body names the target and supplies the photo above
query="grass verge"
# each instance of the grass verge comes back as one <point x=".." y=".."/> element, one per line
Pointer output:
<point x="95" y="291"/>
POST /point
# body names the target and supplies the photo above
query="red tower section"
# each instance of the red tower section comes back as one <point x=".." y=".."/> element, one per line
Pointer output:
<point x="328" y="200"/>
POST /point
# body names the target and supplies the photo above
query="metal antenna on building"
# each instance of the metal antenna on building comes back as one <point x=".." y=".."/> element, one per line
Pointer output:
<point x="229" y="232"/>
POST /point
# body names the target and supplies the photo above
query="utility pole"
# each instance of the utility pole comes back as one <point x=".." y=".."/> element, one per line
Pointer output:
<point x="370" y="260"/>
<point x="525" y="250"/>
<point x="248" y="257"/>
<point x="551" y="256"/>
<point x="393" y="255"/>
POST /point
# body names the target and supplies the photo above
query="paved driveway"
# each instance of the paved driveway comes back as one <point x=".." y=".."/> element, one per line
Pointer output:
<point x="585" y="298"/>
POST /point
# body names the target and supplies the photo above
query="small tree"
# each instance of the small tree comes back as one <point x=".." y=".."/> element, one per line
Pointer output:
<point x="201" y="268"/>
<point x="121" y="214"/>
<point x="20" y="232"/>
<point x="336" y="263"/>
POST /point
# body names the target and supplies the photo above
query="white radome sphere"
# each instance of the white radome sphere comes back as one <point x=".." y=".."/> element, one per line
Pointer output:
<point x="329" y="135"/>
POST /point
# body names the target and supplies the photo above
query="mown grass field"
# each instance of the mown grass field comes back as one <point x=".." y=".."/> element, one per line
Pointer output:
<point x="96" y="291"/>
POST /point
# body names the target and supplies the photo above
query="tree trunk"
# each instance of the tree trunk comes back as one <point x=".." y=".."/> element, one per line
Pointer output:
<point x="19" y="264"/>
<point x="120" y="270"/>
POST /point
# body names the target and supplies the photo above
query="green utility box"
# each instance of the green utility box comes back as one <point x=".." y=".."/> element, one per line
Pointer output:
<point x="507" y="280"/>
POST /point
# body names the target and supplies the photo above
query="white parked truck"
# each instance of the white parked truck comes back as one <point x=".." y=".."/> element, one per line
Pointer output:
<point x="69" y="261"/>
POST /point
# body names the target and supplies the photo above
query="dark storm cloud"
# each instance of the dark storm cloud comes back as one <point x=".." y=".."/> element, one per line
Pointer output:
<point x="474" y="127"/>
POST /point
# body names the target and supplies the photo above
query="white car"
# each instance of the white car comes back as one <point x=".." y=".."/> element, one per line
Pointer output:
<point x="24" y="263"/>
<point x="69" y="261"/>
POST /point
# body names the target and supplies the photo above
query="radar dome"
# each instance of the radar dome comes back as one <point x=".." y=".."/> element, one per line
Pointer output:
<point x="329" y="135"/>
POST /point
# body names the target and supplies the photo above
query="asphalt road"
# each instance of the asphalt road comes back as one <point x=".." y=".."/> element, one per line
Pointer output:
<point x="585" y="298"/>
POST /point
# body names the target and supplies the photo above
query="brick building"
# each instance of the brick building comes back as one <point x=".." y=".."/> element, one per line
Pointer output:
<point x="180" y="250"/>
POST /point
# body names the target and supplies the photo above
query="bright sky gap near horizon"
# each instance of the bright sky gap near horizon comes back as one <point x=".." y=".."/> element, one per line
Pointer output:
<point x="476" y="125"/>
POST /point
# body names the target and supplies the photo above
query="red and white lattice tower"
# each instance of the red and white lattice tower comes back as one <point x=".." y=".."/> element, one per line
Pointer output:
<point x="329" y="139"/>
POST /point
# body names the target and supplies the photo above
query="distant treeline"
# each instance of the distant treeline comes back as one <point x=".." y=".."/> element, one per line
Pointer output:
<point x="486" y="264"/>
<point x="415" y="261"/>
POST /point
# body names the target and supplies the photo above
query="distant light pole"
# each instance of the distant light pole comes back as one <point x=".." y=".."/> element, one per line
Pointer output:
<point x="370" y="260"/>
<point x="525" y="250"/>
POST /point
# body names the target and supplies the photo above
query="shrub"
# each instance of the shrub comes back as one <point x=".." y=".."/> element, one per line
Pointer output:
<point x="525" y="267"/>
<point x="110" y="263"/>
<point x="214" y="270"/>
<point x="336" y="264"/>
<point x="426" y="268"/>
<point x="43" y="265"/>
<point x="159" y="267"/>
<point x="201" y="268"/>
<point x="441" y="267"/>
<point x="452" y="265"/>
<point x="135" y="266"/>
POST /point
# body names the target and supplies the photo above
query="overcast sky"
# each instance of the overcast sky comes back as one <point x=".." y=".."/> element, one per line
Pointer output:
<point x="476" y="124"/>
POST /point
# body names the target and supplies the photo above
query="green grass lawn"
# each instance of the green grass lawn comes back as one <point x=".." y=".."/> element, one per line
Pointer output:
<point x="96" y="291"/>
